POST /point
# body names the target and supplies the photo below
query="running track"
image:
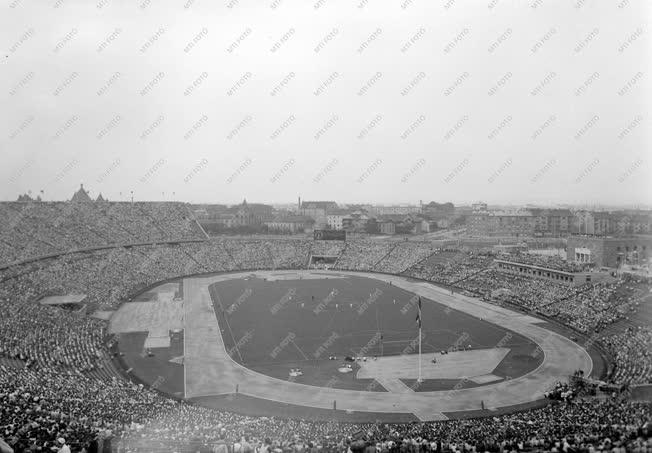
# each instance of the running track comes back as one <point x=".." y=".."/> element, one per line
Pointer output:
<point x="210" y="370"/>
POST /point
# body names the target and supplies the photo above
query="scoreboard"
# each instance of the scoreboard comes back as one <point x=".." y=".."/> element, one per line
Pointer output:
<point x="330" y="235"/>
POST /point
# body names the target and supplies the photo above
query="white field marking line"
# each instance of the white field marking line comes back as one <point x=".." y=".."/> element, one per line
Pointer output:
<point x="259" y="375"/>
<point x="299" y="349"/>
<point x="469" y="300"/>
<point x="543" y="361"/>
<point x="184" y="347"/>
<point x="219" y="301"/>
<point x="497" y="310"/>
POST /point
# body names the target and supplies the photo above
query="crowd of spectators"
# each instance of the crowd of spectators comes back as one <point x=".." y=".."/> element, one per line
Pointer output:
<point x="291" y="254"/>
<point x="363" y="254"/>
<point x="265" y="253"/>
<point x="589" y="309"/>
<point x="327" y="248"/>
<point x="631" y="350"/>
<point x="450" y="266"/>
<point x="324" y="253"/>
<point x="592" y="307"/>
<point x="39" y="407"/>
<point x="53" y="395"/>
<point x="529" y="293"/>
<point x="108" y="277"/>
<point x="34" y="229"/>
<point x="45" y="335"/>
<point x="547" y="261"/>
<point x="403" y="256"/>
<point x="562" y="391"/>
<point x="573" y="426"/>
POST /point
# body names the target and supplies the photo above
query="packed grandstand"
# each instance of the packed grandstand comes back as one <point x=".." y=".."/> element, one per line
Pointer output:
<point x="58" y="384"/>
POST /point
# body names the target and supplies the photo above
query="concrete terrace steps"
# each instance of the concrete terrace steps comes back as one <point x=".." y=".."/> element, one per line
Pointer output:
<point x="106" y="370"/>
<point x="384" y="256"/>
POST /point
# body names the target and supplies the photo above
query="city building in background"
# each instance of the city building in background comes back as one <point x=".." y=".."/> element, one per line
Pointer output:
<point x="609" y="252"/>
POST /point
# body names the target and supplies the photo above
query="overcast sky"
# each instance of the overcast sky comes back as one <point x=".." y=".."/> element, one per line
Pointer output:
<point x="529" y="101"/>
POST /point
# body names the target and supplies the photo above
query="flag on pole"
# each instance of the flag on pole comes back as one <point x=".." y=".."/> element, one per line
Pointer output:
<point x="419" y="322"/>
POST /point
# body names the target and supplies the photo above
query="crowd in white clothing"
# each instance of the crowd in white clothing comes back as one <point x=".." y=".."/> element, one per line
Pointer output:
<point x="54" y="394"/>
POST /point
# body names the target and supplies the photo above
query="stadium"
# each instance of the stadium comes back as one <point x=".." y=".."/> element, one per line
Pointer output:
<point x="126" y="326"/>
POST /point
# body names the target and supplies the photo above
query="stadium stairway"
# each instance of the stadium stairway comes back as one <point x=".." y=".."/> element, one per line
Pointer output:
<point x="614" y="328"/>
<point x="105" y="370"/>
<point x="373" y="268"/>
<point x="118" y="225"/>
<point x="309" y="260"/>
<point x="194" y="219"/>
<point x="270" y="255"/>
<point x="342" y="253"/>
<point x="192" y="258"/>
<point x="470" y="275"/>
<point x="228" y="252"/>
<point x="151" y="220"/>
<point x="418" y="263"/>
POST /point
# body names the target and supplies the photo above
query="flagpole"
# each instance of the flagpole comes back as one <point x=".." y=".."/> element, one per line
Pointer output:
<point x="420" y="322"/>
<point x="419" y="351"/>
